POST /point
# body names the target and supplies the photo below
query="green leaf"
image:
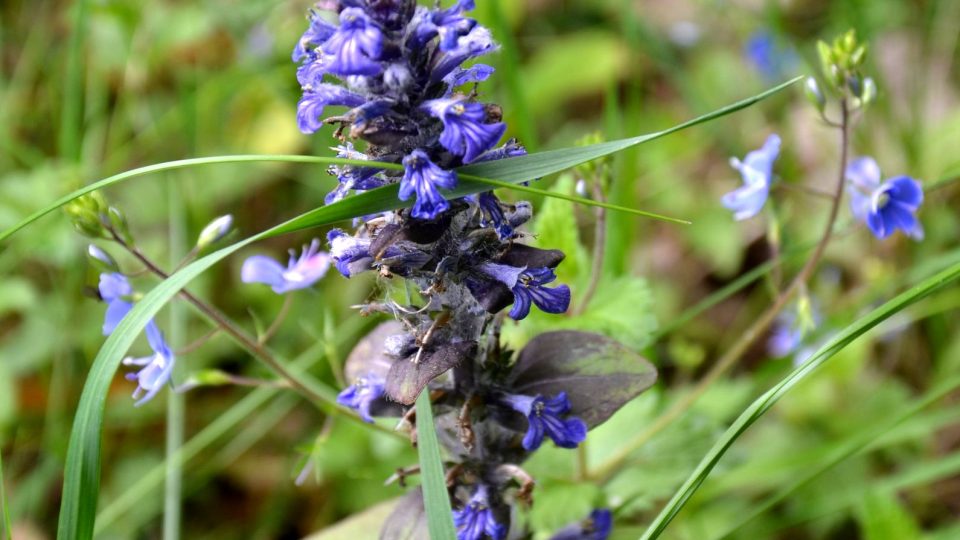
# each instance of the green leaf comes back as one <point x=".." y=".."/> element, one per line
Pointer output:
<point x="435" y="497"/>
<point x="479" y="177"/>
<point x="759" y="407"/>
<point x="7" y="527"/>
<point x="82" y="474"/>
<point x="560" y="504"/>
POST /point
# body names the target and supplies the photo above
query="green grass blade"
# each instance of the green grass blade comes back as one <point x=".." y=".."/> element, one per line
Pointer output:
<point x="435" y="497"/>
<point x="759" y="407"/>
<point x="71" y="120"/>
<point x="7" y="526"/>
<point x="849" y="448"/>
<point x="507" y="171"/>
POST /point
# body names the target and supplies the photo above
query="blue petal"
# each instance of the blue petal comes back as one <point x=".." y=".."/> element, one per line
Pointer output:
<point x="905" y="190"/>
<point x="262" y="269"/>
<point x="114" y="285"/>
<point x="116" y="311"/>
<point x="864" y="173"/>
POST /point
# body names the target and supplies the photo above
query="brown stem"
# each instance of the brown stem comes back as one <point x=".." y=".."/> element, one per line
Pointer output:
<point x="278" y="321"/>
<point x="752" y="333"/>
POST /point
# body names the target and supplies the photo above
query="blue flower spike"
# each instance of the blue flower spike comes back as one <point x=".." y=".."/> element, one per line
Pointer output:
<point x="476" y="520"/>
<point x="300" y="273"/>
<point x="354" y="49"/>
<point x="548" y="417"/>
<point x="884" y="206"/>
<point x="756" y="169"/>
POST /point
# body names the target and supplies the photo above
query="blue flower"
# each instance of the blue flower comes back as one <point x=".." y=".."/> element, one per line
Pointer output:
<point x="356" y="46"/>
<point x="546" y="417"/>
<point x="527" y="285"/>
<point x="361" y="394"/>
<point x="887" y="206"/>
<point x="300" y="272"/>
<point x="315" y="98"/>
<point x="476" y="518"/>
<point x="772" y="60"/>
<point x="350" y="254"/>
<point x="596" y="527"/>
<point x="423" y="177"/>
<point x="757" y="172"/>
<point x="157" y="368"/>
<point x="318" y="32"/>
<point x="465" y="132"/>
<point x="476" y="43"/>
<point x="113" y="288"/>
<point x="449" y="24"/>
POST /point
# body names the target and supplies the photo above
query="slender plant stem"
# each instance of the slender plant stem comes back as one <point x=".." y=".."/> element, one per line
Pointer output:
<point x="751" y="334"/>
<point x="176" y="406"/>
<point x="599" y="245"/>
<point x="197" y="343"/>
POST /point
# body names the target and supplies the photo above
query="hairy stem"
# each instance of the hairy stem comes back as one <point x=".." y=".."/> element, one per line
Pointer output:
<point x="751" y="334"/>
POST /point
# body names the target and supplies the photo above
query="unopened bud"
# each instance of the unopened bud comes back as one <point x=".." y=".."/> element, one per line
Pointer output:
<point x="811" y="89"/>
<point x="87" y="213"/>
<point x="214" y="231"/>
<point x="102" y="258"/>
<point x="581" y="188"/>
<point x="869" y="91"/>
<point x="118" y="222"/>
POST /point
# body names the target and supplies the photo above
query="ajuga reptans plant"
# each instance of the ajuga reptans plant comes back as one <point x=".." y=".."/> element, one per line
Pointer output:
<point x="400" y="70"/>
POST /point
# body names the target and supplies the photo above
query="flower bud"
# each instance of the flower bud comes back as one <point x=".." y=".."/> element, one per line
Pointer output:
<point x="214" y="231"/>
<point x="811" y="89"/>
<point x="87" y="214"/>
<point x="102" y="259"/>
<point x="869" y="91"/>
<point x="116" y="220"/>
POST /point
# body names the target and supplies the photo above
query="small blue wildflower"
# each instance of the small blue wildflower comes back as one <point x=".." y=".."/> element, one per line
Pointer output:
<point x="527" y="285"/>
<point x="757" y="172"/>
<point x="772" y="60"/>
<point x="545" y="417"/>
<point x="887" y="206"/>
<point x="350" y="254"/>
<point x="300" y="273"/>
<point x="596" y="527"/>
<point x="465" y="132"/>
<point x="315" y="98"/>
<point x="361" y="394"/>
<point x="157" y="368"/>
<point x="423" y="177"/>
<point x="356" y="45"/>
<point x="113" y="288"/>
<point x="476" y="519"/>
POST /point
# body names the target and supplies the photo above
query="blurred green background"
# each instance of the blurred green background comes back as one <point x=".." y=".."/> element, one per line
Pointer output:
<point x="95" y="88"/>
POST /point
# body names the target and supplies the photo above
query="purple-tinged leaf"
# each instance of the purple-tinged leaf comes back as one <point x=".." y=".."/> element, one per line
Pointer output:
<point x="369" y="356"/>
<point x="408" y="521"/>
<point x="407" y="378"/>
<point x="599" y="374"/>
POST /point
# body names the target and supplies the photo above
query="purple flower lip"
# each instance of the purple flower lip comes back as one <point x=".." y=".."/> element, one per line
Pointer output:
<point x="361" y="395"/>
<point x="423" y="177"/>
<point x="546" y="417"/>
<point x="476" y="519"/>
<point x="114" y="290"/>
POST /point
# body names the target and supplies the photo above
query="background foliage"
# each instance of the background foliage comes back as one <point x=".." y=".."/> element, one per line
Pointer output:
<point x="91" y="89"/>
